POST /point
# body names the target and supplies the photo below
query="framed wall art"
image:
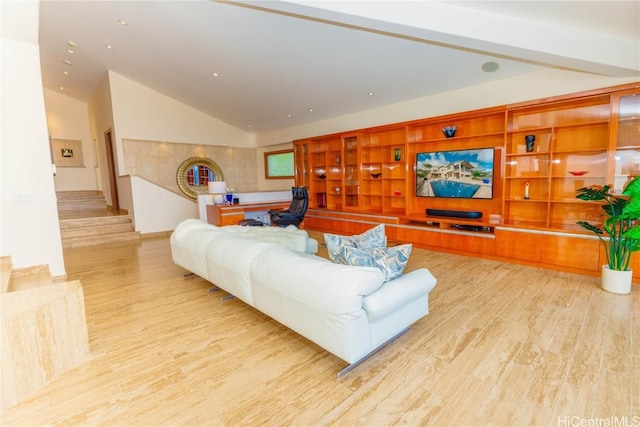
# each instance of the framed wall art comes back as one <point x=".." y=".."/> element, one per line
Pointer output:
<point x="67" y="153"/>
<point x="278" y="164"/>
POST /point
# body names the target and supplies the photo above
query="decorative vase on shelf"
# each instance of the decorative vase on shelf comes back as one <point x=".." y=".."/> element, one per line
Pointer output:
<point x="530" y="141"/>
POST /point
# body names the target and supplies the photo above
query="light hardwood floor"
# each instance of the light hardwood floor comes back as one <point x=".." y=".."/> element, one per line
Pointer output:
<point x="504" y="345"/>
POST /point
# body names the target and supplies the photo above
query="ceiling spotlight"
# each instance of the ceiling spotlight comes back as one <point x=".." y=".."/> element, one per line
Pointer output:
<point x="61" y="87"/>
<point x="311" y="110"/>
<point x="372" y="94"/>
<point x="108" y="46"/>
<point x="123" y="22"/>
<point x="66" y="73"/>
<point x="71" y="43"/>
<point x="490" y="67"/>
<point x="215" y="74"/>
<point x="289" y="115"/>
<point x="66" y="61"/>
<point x="71" y="51"/>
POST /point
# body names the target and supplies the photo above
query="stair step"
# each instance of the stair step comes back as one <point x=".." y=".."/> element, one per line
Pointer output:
<point x="78" y="194"/>
<point x="29" y="277"/>
<point x="85" y="220"/>
<point x="99" y="203"/>
<point x="79" y="242"/>
<point x="69" y="224"/>
<point x="96" y="230"/>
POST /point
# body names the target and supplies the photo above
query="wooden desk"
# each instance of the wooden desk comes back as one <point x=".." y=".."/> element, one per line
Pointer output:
<point x="230" y="215"/>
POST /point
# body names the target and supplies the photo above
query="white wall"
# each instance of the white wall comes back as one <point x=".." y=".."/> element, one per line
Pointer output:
<point x="144" y="114"/>
<point x="528" y="87"/>
<point x="101" y="120"/>
<point x="158" y="209"/>
<point x="68" y="118"/>
<point x="271" y="184"/>
<point x="29" y="229"/>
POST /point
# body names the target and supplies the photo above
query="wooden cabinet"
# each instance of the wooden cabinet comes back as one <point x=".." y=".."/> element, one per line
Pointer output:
<point x="568" y="150"/>
<point x="525" y="245"/>
<point x="351" y="161"/>
<point x="322" y="171"/>
<point x="384" y="171"/>
<point x="544" y="151"/>
<point x="625" y="137"/>
<point x="476" y="130"/>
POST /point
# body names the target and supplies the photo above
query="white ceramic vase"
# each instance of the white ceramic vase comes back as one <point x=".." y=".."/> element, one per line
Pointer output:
<point x="617" y="282"/>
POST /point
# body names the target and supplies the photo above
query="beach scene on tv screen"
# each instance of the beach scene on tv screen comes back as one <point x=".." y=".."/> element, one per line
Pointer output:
<point x="455" y="174"/>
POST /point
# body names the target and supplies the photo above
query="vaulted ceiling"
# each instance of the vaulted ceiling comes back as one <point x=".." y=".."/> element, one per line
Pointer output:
<point x="268" y="65"/>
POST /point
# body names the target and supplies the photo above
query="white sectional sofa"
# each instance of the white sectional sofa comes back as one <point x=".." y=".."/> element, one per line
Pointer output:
<point x="348" y="310"/>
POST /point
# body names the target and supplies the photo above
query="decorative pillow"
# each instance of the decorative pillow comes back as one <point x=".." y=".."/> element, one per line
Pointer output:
<point x="391" y="261"/>
<point x="373" y="238"/>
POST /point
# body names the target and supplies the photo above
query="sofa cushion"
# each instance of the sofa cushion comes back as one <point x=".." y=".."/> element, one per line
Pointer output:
<point x="373" y="238"/>
<point x="291" y="237"/>
<point x="391" y="261"/>
<point x="331" y="288"/>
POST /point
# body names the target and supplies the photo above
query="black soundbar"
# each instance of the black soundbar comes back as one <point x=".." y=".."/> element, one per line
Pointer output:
<point x="454" y="214"/>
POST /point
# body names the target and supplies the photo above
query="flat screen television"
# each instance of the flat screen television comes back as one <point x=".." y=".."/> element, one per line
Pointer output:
<point x="462" y="174"/>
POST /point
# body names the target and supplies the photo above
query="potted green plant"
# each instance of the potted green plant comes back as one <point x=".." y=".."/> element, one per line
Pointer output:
<point x="619" y="232"/>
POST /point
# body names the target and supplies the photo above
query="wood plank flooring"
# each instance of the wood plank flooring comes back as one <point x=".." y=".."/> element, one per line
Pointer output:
<point x="504" y="345"/>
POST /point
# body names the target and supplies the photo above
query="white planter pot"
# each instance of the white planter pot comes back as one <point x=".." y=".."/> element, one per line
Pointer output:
<point x="617" y="282"/>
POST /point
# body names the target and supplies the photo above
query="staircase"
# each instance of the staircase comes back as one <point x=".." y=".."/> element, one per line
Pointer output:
<point x="85" y="220"/>
<point x="43" y="329"/>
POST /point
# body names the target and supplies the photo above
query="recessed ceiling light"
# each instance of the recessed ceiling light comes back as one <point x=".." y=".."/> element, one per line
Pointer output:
<point x="311" y="110"/>
<point x="289" y="115"/>
<point x="71" y="43"/>
<point x="122" y="21"/>
<point x="108" y="46"/>
<point x="215" y="74"/>
<point x="490" y="67"/>
<point x="372" y="94"/>
<point x="66" y="61"/>
<point x="71" y="51"/>
<point x="61" y="87"/>
<point x="66" y="73"/>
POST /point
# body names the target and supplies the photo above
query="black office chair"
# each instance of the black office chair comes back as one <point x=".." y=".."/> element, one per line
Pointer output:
<point x="295" y="213"/>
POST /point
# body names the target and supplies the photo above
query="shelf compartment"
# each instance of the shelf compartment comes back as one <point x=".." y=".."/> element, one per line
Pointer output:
<point x="594" y="136"/>
<point x="527" y="166"/>
<point x="393" y="170"/>
<point x="489" y="124"/>
<point x="568" y="214"/>
<point x="515" y="188"/>
<point x="594" y="164"/>
<point x="594" y="109"/>
<point x="526" y="211"/>
<point x="565" y="189"/>
<point x="629" y="121"/>
<point x="516" y="141"/>
<point x="627" y="165"/>
<point x="628" y="133"/>
<point x="484" y="136"/>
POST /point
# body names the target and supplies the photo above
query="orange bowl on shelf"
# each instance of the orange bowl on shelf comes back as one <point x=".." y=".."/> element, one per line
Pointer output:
<point x="578" y="173"/>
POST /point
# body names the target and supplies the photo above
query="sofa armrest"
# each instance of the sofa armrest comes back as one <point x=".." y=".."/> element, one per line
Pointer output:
<point x="397" y="293"/>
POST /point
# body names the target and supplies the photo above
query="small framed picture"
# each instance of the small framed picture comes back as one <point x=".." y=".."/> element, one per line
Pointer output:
<point x="67" y="152"/>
